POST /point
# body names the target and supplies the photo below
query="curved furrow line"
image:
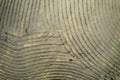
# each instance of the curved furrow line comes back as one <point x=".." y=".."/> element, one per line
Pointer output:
<point x="22" y="47"/>
<point x="84" y="38"/>
<point x="92" y="43"/>
<point x="43" y="38"/>
<point x="31" y="15"/>
<point x="65" y="23"/>
<point x="31" y="50"/>
<point x="15" y="10"/>
<point x="83" y="51"/>
<point x="116" y="16"/>
<point x="117" y="8"/>
<point x="101" y="30"/>
<point x="36" y="13"/>
<point x="31" y="69"/>
<point x="58" y="31"/>
<point x="23" y="58"/>
<point x="72" y="22"/>
<point x="3" y="15"/>
<point x="58" y="74"/>
<point x="67" y="65"/>
<point x="103" y="38"/>
<point x="56" y="78"/>
<point x="112" y="41"/>
<point x="93" y="57"/>
<point x="8" y="77"/>
<point x="91" y="49"/>
<point x="77" y="38"/>
<point x="38" y="40"/>
<point x="58" y="19"/>
<point x="42" y="53"/>
<point x="47" y="16"/>
<point x="82" y="61"/>
<point x="18" y="24"/>
<point x="85" y="76"/>
<point x="93" y="46"/>
<point x="22" y="42"/>
<point x="62" y="66"/>
<point x="24" y="62"/>
<point x="108" y="48"/>
<point x="59" y="40"/>
<point x="9" y="36"/>
<point x="108" y="33"/>
<point x="11" y="17"/>
<point x="13" y="74"/>
<point x="30" y="57"/>
<point x="71" y="69"/>
<point x="41" y="65"/>
<point x="28" y="35"/>
<point x="103" y="46"/>
<point x="36" y="49"/>
<point x="52" y="15"/>
<point x="85" y="45"/>
<point x="14" y="77"/>
<point x="18" y="28"/>
<point x="2" y="6"/>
